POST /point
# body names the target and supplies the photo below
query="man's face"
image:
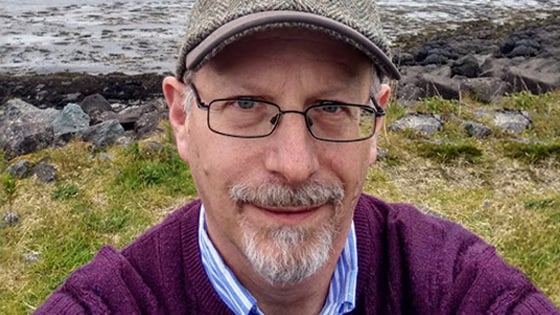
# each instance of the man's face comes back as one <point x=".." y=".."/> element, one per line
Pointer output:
<point x="282" y="204"/>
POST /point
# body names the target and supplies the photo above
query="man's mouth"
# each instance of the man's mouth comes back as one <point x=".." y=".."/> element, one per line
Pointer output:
<point x="288" y="215"/>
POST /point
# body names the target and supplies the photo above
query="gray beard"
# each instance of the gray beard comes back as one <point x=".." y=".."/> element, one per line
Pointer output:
<point x="285" y="254"/>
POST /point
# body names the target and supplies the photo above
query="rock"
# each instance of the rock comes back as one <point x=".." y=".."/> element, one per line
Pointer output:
<point x="493" y="67"/>
<point x="409" y="94"/>
<point x="512" y="121"/>
<point x="426" y="124"/>
<point x="486" y="90"/>
<point x="523" y="51"/>
<point x="521" y="44"/>
<point x="32" y="258"/>
<point x="477" y="130"/>
<point x="10" y="218"/>
<point x="466" y="66"/>
<point x="20" y="169"/>
<point x="484" y="113"/>
<point x="147" y="124"/>
<point x="435" y="52"/>
<point x="25" y="128"/>
<point x="45" y="172"/>
<point x="129" y="116"/>
<point x="436" y="84"/>
<point x="537" y="75"/>
<point x="124" y="141"/>
<point x="434" y="59"/>
<point x="403" y="59"/>
<point x="72" y="97"/>
<point x="94" y="105"/>
<point x="104" y="134"/>
<point x="71" y="121"/>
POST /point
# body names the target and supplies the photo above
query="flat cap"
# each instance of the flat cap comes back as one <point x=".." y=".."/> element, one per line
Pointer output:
<point x="214" y="24"/>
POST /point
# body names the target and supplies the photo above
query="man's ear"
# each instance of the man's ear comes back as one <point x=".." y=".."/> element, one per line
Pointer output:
<point x="174" y="92"/>
<point x="382" y="97"/>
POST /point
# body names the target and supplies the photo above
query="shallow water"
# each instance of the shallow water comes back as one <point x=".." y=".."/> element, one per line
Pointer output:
<point x="133" y="36"/>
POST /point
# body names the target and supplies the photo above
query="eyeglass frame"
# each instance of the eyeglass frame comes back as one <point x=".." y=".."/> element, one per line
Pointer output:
<point x="377" y="109"/>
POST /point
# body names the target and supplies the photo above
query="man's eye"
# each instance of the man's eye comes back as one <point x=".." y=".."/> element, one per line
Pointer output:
<point x="245" y="104"/>
<point x="331" y="108"/>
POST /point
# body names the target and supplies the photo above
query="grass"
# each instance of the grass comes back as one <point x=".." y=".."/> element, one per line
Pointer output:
<point x="505" y="188"/>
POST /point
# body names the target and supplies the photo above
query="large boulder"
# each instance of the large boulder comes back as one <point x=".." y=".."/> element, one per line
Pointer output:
<point x="20" y="169"/>
<point x="25" y="128"/>
<point x="97" y="107"/>
<point x="71" y="121"/>
<point x="437" y="52"/>
<point x="537" y="75"/>
<point x="45" y="172"/>
<point x="466" y="67"/>
<point x="477" y="130"/>
<point x="438" y="82"/>
<point x="425" y="124"/>
<point x="105" y="133"/>
<point x="525" y="43"/>
<point x="486" y="90"/>
<point x="512" y="121"/>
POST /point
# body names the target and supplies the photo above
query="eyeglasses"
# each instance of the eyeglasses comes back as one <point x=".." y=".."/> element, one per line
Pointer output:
<point x="247" y="117"/>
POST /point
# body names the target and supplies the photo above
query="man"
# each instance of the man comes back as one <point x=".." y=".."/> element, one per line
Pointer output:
<point x="275" y="107"/>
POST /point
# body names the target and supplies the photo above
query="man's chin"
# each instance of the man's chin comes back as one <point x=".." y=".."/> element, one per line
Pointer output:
<point x="288" y="254"/>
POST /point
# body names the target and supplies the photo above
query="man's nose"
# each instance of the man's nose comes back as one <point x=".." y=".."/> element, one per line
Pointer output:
<point x="293" y="151"/>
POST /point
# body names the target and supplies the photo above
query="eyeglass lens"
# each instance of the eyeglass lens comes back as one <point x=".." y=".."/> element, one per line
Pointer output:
<point x="253" y="118"/>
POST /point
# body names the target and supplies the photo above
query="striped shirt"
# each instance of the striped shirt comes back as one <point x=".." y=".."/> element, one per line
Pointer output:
<point x="342" y="292"/>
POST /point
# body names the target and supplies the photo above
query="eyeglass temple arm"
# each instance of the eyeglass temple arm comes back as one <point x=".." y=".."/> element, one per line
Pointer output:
<point x="199" y="101"/>
<point x="379" y="111"/>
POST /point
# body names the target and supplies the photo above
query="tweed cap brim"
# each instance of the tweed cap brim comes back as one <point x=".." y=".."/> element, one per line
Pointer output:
<point x="237" y="28"/>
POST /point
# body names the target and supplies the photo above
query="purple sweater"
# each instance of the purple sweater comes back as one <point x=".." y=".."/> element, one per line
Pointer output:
<point x="409" y="263"/>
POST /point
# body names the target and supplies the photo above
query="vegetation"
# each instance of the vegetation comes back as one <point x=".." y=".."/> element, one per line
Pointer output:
<point x="505" y="188"/>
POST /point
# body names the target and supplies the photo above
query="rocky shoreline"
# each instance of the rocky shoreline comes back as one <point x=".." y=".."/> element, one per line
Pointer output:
<point x="479" y="57"/>
<point x="480" y="60"/>
<point x="483" y="61"/>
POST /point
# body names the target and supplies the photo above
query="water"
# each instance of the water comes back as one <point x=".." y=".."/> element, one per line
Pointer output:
<point x="133" y="36"/>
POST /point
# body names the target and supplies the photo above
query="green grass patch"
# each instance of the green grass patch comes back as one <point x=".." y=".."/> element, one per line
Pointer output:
<point x="65" y="191"/>
<point x="393" y="112"/>
<point x="532" y="152"/>
<point x="449" y="152"/>
<point x="438" y="105"/>
<point x="148" y="168"/>
<point x="8" y="188"/>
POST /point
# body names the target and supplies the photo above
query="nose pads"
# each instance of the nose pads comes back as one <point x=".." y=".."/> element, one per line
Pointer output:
<point x="309" y="121"/>
<point x="274" y="119"/>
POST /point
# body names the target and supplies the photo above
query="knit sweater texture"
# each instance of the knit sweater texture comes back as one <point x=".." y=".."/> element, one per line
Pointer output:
<point x="409" y="263"/>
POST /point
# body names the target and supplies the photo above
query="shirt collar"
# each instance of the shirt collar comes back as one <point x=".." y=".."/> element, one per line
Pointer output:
<point x="342" y="291"/>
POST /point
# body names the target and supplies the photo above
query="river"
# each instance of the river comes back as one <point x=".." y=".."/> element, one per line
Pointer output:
<point x="132" y="36"/>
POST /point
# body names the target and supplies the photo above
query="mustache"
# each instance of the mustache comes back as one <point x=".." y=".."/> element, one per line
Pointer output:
<point x="281" y="195"/>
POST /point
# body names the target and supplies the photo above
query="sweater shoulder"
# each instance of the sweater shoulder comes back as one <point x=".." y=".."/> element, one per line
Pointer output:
<point x="436" y="266"/>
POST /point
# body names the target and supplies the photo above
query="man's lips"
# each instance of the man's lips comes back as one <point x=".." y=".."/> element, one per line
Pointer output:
<point x="288" y="215"/>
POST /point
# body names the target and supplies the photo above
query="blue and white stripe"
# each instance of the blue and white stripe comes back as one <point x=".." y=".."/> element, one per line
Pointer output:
<point x="341" y="298"/>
